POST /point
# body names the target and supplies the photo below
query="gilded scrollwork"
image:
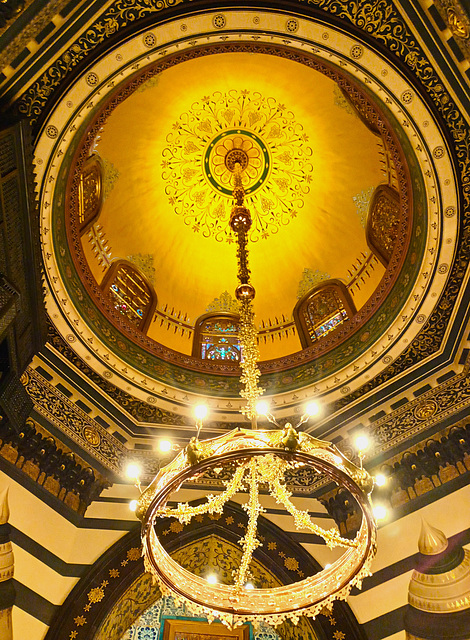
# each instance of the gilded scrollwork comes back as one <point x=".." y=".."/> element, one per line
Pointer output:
<point x="117" y="16"/>
<point x="74" y="422"/>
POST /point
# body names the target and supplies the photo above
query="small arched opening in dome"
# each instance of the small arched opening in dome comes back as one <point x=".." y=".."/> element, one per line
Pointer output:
<point x="90" y="192"/>
<point x="216" y="337"/>
<point x="131" y="293"/>
<point x="321" y="310"/>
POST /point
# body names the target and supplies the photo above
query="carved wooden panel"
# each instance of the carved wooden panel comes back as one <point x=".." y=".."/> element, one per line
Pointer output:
<point x="90" y="192"/>
<point x="383" y="222"/>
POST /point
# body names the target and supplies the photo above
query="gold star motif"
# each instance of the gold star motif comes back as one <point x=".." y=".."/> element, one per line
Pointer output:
<point x="79" y="621"/>
<point x="199" y="518"/>
<point x="134" y="554"/>
<point x="339" y="635"/>
<point x="176" y="527"/>
<point x="73" y="634"/>
<point x="229" y="520"/>
<point x="96" y="595"/>
<point x="104" y="584"/>
<point x="332" y="620"/>
<point x="124" y="562"/>
<point x="87" y="607"/>
<point x="291" y="564"/>
<point x="272" y="546"/>
<point x="113" y="573"/>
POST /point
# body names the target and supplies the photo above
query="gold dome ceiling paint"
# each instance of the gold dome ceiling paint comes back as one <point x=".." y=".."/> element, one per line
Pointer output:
<point x="309" y="158"/>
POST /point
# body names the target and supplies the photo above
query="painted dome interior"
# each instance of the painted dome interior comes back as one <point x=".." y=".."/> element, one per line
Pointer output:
<point x="313" y="168"/>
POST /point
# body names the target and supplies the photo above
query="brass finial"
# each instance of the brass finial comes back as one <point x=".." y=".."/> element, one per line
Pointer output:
<point x="4" y="508"/>
<point x="431" y="540"/>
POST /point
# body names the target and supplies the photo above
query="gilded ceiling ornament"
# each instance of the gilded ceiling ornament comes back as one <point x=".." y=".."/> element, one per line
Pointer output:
<point x="457" y="24"/>
<point x="426" y="410"/>
<point x="145" y="263"/>
<point x="111" y="175"/>
<point x="362" y="201"/>
<point x="225" y="302"/>
<point x="245" y="127"/>
<point x="309" y="279"/>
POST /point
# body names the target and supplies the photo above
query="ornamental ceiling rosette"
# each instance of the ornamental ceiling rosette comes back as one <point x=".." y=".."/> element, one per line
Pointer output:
<point x="256" y="130"/>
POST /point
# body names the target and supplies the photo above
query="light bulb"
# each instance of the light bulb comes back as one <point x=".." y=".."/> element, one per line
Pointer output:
<point x="249" y="585"/>
<point x="133" y="505"/>
<point x="262" y="408"/>
<point x="380" y="480"/>
<point x="312" y="408"/>
<point x="212" y="578"/>
<point x="362" y="443"/>
<point x="380" y="512"/>
<point x="133" y="471"/>
<point x="200" y="411"/>
<point x="165" y="446"/>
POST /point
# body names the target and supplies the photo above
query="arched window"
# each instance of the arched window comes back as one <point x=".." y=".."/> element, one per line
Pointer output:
<point x="383" y="222"/>
<point x="90" y="192"/>
<point x="216" y="337"/>
<point x="130" y="292"/>
<point x="321" y="310"/>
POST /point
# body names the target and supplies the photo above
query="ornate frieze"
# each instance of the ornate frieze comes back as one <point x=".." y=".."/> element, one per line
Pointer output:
<point x="75" y="423"/>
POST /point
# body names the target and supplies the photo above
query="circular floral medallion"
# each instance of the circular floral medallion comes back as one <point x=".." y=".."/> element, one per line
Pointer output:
<point x="217" y="132"/>
<point x="426" y="410"/>
<point x="92" y="436"/>
<point x="232" y="147"/>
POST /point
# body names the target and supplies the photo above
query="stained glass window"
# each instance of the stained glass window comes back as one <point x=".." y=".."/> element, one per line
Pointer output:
<point x="321" y="310"/>
<point x="130" y="293"/>
<point x="216" y="337"/>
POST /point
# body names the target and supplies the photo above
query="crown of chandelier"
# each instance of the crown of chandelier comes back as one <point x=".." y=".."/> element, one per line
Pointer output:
<point x="256" y="460"/>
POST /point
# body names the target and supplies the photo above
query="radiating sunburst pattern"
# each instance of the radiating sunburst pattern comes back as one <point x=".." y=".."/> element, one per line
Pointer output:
<point x="237" y="126"/>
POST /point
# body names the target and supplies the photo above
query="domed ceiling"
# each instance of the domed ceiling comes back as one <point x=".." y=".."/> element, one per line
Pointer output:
<point x="319" y="132"/>
<point x="312" y="163"/>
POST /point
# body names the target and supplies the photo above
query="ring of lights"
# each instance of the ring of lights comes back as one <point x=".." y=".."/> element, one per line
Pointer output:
<point x="307" y="597"/>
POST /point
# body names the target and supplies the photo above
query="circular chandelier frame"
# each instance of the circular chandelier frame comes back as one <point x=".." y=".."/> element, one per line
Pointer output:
<point x="234" y="606"/>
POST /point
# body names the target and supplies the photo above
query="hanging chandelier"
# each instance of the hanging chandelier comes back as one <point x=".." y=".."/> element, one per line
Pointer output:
<point x="256" y="460"/>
